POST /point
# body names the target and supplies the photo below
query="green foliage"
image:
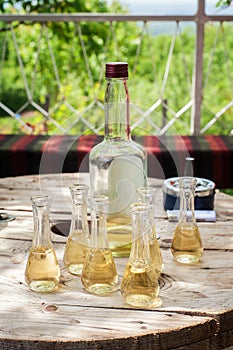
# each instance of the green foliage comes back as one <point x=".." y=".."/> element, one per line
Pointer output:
<point x="223" y="3"/>
<point x="228" y="191"/>
<point x="64" y="63"/>
<point x="54" y="6"/>
<point x="218" y="77"/>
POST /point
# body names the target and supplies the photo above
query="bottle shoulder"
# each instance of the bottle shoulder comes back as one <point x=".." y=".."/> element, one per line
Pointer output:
<point x="118" y="147"/>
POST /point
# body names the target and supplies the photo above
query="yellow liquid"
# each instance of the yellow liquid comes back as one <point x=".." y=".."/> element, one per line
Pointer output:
<point x="187" y="245"/>
<point x="99" y="274"/>
<point x="74" y="255"/>
<point x="156" y="256"/>
<point x="140" y="286"/>
<point x="120" y="236"/>
<point x="42" y="270"/>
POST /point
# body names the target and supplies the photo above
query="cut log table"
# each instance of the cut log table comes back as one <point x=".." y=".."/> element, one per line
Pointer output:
<point x="197" y="308"/>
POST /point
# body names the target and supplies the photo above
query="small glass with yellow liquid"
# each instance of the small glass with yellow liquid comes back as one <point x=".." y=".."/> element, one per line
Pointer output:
<point x="187" y="245"/>
<point x="99" y="274"/>
<point x="42" y="271"/>
<point x="147" y="195"/>
<point x="79" y="236"/>
<point x="140" y="287"/>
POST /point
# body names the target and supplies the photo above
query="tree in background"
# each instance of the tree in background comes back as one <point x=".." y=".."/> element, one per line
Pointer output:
<point x="64" y="64"/>
<point x="57" y="55"/>
<point x="224" y="3"/>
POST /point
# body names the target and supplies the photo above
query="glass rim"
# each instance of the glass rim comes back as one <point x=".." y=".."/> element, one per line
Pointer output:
<point x="139" y="207"/>
<point x="187" y="179"/>
<point x="40" y="197"/>
<point x="99" y="203"/>
<point x="146" y="188"/>
<point x="78" y="187"/>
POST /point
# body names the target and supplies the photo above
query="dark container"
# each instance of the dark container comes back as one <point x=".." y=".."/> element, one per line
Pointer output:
<point x="204" y="194"/>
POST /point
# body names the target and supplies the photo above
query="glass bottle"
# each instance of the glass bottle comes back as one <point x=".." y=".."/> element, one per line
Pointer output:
<point x="79" y="237"/>
<point x="42" y="271"/>
<point x="99" y="275"/>
<point x="140" y="287"/>
<point x="118" y="164"/>
<point x="188" y="167"/>
<point x="186" y="245"/>
<point x="147" y="195"/>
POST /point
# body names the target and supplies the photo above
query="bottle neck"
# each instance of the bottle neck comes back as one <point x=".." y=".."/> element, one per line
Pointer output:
<point x="147" y="195"/>
<point x="187" y="214"/>
<point x="117" y="104"/>
<point x="79" y="220"/>
<point x="188" y="169"/>
<point x="99" y="230"/>
<point x="41" y="226"/>
<point x="99" y="210"/>
<point x="141" y="226"/>
<point x="79" y="217"/>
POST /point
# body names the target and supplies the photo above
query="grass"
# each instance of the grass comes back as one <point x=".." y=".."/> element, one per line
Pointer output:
<point x="9" y="125"/>
<point x="228" y="191"/>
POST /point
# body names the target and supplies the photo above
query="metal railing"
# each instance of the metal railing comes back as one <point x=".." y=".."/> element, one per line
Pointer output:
<point x="194" y="104"/>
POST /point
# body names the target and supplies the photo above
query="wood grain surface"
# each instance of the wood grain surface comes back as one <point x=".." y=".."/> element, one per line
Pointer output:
<point x="197" y="308"/>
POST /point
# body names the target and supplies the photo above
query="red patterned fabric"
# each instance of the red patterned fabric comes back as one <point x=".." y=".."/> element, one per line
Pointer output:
<point x="33" y="154"/>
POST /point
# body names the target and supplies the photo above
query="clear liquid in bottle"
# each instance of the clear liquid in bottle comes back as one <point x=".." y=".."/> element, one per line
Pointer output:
<point x="187" y="245"/>
<point x="148" y="195"/>
<point x="79" y="236"/>
<point x="140" y="287"/>
<point x="118" y="164"/>
<point x="99" y="274"/>
<point x="119" y="179"/>
<point x="42" y="271"/>
<point x="75" y="254"/>
<point x="156" y="255"/>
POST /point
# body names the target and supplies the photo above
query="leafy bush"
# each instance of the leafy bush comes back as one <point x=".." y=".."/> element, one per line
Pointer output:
<point x="63" y="69"/>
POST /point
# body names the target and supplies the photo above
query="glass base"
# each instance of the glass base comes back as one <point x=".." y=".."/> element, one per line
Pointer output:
<point x="143" y="301"/>
<point x="185" y="258"/>
<point x="43" y="286"/>
<point x="101" y="288"/>
<point x="75" y="269"/>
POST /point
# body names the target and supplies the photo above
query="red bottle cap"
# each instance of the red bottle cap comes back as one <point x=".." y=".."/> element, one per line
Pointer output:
<point x="116" y="70"/>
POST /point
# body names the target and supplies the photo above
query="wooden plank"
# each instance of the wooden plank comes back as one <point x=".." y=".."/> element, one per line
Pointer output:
<point x="46" y="319"/>
<point x="72" y="316"/>
<point x="197" y="309"/>
<point x="204" y="289"/>
<point x="214" y="235"/>
<point x="226" y="340"/>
